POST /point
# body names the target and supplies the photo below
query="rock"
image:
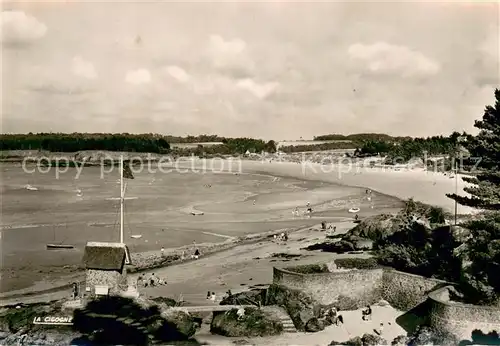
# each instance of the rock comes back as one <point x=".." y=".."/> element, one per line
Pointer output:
<point x="254" y="323"/>
<point x="351" y="342"/>
<point x="426" y="336"/>
<point x="183" y="325"/>
<point x="300" y="306"/>
<point x="373" y="340"/>
<point x="401" y="340"/>
<point x="314" y="325"/>
<point x="253" y="297"/>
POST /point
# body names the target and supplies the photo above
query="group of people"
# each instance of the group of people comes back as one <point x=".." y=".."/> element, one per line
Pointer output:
<point x="211" y="296"/>
<point x="309" y="210"/>
<point x="152" y="281"/>
<point x="331" y="316"/>
<point x="282" y="237"/>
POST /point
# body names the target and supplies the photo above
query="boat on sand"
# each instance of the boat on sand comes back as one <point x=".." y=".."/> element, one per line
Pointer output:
<point x="59" y="246"/>
<point x="136" y="236"/>
<point x="354" y="210"/>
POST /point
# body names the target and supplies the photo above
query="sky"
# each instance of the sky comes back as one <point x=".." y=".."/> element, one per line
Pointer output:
<point x="277" y="69"/>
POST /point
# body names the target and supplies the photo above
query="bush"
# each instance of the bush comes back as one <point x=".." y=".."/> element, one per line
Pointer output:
<point x="309" y="269"/>
<point x="357" y="263"/>
<point x="254" y="323"/>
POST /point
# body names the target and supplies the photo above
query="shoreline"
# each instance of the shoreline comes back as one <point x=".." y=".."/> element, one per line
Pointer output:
<point x="171" y="257"/>
<point x="206" y="249"/>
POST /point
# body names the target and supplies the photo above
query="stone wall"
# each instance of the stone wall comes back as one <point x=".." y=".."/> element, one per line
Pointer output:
<point x="402" y="290"/>
<point x="115" y="280"/>
<point x="461" y="319"/>
<point x="363" y="286"/>
<point x="405" y="291"/>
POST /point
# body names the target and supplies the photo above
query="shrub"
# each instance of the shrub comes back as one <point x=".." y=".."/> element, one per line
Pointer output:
<point x="310" y="269"/>
<point x="357" y="263"/>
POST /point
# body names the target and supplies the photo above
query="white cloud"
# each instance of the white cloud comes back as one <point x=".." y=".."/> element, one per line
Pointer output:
<point x="83" y="68"/>
<point x="229" y="55"/>
<point x="258" y="90"/>
<point x="139" y="76"/>
<point x="19" y="27"/>
<point x="382" y="57"/>
<point x="178" y="74"/>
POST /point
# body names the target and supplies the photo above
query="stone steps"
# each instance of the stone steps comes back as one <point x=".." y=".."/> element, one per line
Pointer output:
<point x="282" y="315"/>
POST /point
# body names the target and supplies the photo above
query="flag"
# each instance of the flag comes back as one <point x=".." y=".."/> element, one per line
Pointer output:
<point x="127" y="172"/>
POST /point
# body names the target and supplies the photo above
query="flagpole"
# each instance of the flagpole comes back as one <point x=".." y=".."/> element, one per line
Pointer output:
<point x="122" y="197"/>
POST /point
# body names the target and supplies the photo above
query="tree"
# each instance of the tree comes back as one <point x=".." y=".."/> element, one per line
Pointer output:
<point x="485" y="189"/>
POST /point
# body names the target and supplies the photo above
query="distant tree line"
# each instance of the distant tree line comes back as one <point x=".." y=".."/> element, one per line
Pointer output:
<point x="229" y="146"/>
<point x="361" y="137"/>
<point x="405" y="149"/>
<point x="318" y="147"/>
<point x="62" y="142"/>
<point x="195" y="139"/>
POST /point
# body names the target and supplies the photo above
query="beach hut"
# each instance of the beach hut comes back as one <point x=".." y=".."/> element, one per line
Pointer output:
<point x="105" y="265"/>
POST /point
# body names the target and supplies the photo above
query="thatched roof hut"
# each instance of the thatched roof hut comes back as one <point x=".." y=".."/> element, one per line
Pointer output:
<point x="106" y="256"/>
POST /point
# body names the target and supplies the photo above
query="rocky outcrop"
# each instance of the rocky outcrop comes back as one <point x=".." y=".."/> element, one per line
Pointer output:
<point x="253" y="323"/>
<point x="255" y="297"/>
<point x="365" y="340"/>
<point x="300" y="306"/>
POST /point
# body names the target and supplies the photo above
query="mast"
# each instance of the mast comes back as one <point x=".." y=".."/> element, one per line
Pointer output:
<point x="456" y="191"/>
<point x="122" y="197"/>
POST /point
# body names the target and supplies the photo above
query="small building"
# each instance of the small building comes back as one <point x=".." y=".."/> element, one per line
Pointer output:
<point x="105" y="265"/>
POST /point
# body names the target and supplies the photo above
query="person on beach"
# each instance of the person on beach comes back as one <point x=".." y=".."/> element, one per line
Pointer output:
<point x="162" y="250"/>
<point x="209" y="295"/>
<point x="367" y="313"/>
<point x="356" y="217"/>
<point x="196" y="254"/>
<point x="212" y="297"/>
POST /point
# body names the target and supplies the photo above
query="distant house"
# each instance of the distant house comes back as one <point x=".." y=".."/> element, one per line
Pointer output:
<point x="104" y="263"/>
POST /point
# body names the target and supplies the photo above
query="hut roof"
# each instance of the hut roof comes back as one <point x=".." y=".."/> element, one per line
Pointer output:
<point x="106" y="256"/>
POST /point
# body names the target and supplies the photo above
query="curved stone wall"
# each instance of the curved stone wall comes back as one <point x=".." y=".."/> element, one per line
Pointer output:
<point x="461" y="319"/>
<point x="402" y="290"/>
<point x="363" y="286"/>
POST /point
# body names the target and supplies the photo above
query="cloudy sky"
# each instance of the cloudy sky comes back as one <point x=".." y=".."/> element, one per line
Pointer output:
<point x="278" y="70"/>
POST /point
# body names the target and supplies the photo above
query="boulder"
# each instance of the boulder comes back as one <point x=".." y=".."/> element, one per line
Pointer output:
<point x="314" y="325"/>
<point x="254" y="323"/>
<point x="178" y="323"/>
<point x="365" y="340"/>
<point x="255" y="297"/>
<point x="401" y="340"/>
<point x="373" y="340"/>
<point x="300" y="306"/>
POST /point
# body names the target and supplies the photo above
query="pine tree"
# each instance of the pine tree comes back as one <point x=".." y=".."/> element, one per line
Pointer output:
<point x="485" y="189"/>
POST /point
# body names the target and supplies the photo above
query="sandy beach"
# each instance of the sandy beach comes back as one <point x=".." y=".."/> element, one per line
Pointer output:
<point x="257" y="198"/>
<point x="234" y="205"/>
<point x="245" y="197"/>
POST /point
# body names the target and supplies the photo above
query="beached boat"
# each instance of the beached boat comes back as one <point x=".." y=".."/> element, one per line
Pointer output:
<point x="354" y="210"/>
<point x="136" y="236"/>
<point x="197" y="212"/>
<point x="59" y="246"/>
<point x="31" y="188"/>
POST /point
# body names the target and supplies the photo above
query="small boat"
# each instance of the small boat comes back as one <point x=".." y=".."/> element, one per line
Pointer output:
<point x="136" y="236"/>
<point x="31" y="188"/>
<point x="196" y="212"/>
<point x="354" y="210"/>
<point x="59" y="246"/>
